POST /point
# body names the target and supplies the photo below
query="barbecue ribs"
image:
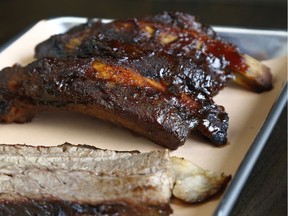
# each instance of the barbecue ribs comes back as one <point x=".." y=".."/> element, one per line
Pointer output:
<point x="178" y="34"/>
<point x="112" y="90"/>
<point x="155" y="75"/>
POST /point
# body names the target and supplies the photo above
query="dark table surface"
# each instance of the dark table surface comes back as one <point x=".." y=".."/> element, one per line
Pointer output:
<point x="265" y="192"/>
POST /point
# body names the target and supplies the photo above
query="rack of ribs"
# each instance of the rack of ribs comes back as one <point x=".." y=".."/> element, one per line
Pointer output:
<point x="111" y="90"/>
<point x="155" y="75"/>
<point x="178" y="34"/>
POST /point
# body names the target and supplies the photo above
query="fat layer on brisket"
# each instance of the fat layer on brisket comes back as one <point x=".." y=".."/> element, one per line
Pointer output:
<point x="82" y="180"/>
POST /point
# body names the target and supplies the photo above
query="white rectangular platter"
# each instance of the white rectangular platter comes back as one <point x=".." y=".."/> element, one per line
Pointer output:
<point x="247" y="111"/>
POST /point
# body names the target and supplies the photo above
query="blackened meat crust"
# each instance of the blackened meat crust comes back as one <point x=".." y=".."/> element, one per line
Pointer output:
<point x="111" y="90"/>
<point x="59" y="207"/>
<point x="155" y="75"/>
<point x="178" y="35"/>
<point x="175" y="33"/>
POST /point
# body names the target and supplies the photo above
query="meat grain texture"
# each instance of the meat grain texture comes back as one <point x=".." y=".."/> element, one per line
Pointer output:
<point x="83" y="180"/>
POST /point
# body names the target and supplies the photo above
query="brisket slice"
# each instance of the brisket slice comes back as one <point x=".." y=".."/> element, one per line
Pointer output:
<point x="81" y="180"/>
<point x="84" y="180"/>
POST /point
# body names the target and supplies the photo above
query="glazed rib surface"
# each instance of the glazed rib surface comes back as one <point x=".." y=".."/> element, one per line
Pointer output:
<point x="155" y="75"/>
<point x="177" y="34"/>
<point x="111" y="90"/>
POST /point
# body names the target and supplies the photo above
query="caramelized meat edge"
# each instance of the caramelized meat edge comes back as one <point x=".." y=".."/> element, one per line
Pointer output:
<point x="178" y="34"/>
<point x="108" y="89"/>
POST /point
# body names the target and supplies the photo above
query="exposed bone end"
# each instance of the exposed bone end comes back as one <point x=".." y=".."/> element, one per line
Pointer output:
<point x="258" y="77"/>
<point x="194" y="184"/>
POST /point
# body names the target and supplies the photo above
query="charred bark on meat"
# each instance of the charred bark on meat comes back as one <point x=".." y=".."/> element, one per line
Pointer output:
<point x="155" y="75"/>
<point x="111" y="90"/>
<point x="178" y="34"/>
